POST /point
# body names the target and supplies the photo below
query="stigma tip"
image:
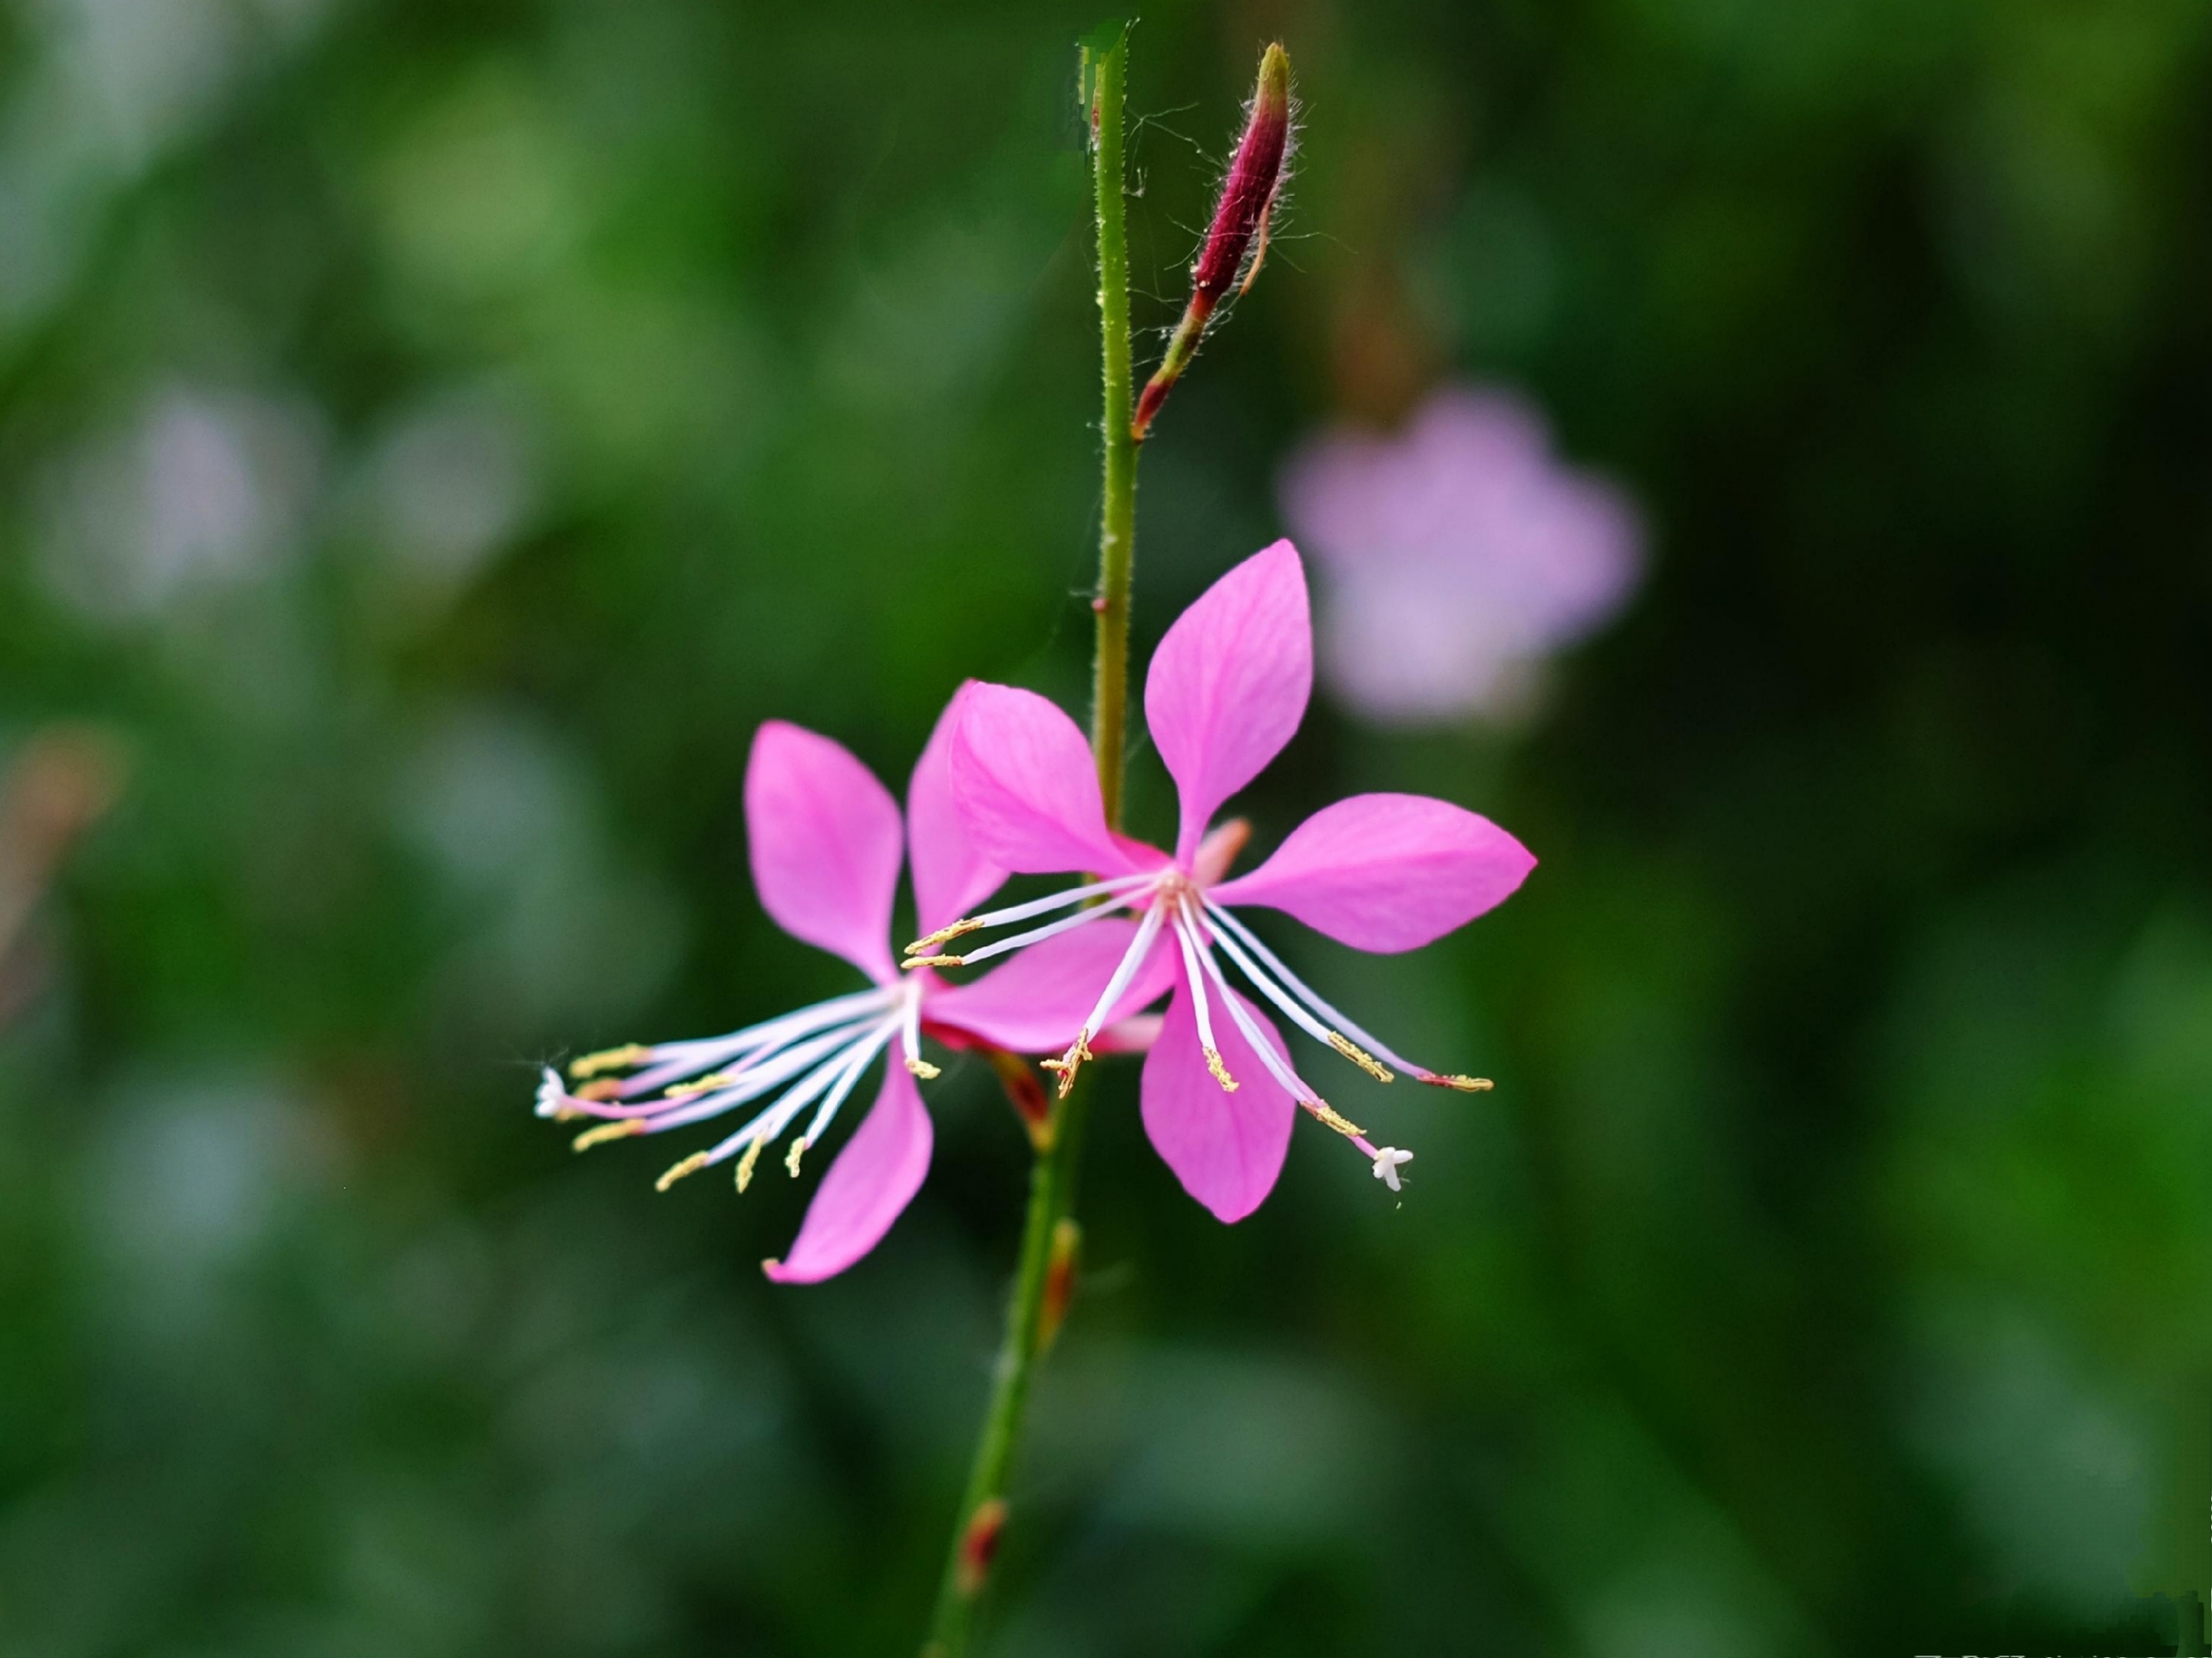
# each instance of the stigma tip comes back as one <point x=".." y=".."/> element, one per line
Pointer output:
<point x="1388" y="1159"/>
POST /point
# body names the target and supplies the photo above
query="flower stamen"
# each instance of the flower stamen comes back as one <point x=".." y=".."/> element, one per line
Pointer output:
<point x="752" y="1157"/>
<point x="1328" y="1117"/>
<point x="910" y="1036"/>
<point x="1360" y="1057"/>
<point x="619" y="1130"/>
<point x="1230" y="931"/>
<point x="609" y="1058"/>
<point x="691" y="1165"/>
<point x="1141" y="946"/>
<point x="1070" y="1062"/>
<point x="1011" y="913"/>
<point x="705" y="1084"/>
<point x="1199" y="1009"/>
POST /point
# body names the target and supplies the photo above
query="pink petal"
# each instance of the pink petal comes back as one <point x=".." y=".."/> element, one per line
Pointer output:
<point x="951" y="876"/>
<point x="1387" y="873"/>
<point x="867" y="1188"/>
<point x="1229" y="684"/>
<point x="826" y="842"/>
<point x="1039" y="999"/>
<point x="1226" y="1149"/>
<point x="1134" y="1034"/>
<point x="1027" y="790"/>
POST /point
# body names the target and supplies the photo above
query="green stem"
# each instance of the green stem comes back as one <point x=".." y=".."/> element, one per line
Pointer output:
<point x="1117" y="528"/>
<point x="1052" y="1179"/>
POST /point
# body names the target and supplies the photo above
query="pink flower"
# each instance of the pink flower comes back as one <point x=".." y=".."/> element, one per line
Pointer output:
<point x="1459" y="555"/>
<point x="1382" y="873"/>
<point x="826" y="842"/>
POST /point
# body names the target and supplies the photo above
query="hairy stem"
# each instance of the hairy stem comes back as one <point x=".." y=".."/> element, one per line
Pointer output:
<point x="1117" y="529"/>
<point x="1052" y="1179"/>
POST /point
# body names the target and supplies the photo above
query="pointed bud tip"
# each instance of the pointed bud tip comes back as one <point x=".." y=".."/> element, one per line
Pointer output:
<point x="1273" y="96"/>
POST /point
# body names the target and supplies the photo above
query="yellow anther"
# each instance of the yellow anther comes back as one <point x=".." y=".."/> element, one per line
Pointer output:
<point x="751" y="1156"/>
<point x="691" y="1165"/>
<point x="941" y="936"/>
<point x="705" y="1084"/>
<point x="606" y="1088"/>
<point x="1328" y="1117"/>
<point x="1360" y="1057"/>
<point x="791" y="1157"/>
<point x="609" y="1058"/>
<point x="1069" y="1063"/>
<point x="923" y="1069"/>
<point x="912" y="961"/>
<point x="1464" y="1084"/>
<point x="609" y="1130"/>
<point x="1220" y="1071"/>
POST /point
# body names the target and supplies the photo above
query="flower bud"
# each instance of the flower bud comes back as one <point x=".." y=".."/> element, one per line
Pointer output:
<point x="1236" y="239"/>
<point x="1249" y="190"/>
<point x="1058" y="1281"/>
<point x="979" y="1545"/>
<point x="1025" y="1094"/>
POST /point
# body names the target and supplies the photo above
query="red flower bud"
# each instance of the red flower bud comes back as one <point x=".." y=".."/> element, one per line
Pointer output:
<point x="1239" y="228"/>
<point x="1058" y="1281"/>
<point x="979" y="1545"/>
<point x="1249" y="190"/>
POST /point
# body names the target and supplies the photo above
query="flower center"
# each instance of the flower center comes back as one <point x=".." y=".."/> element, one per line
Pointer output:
<point x="1175" y="900"/>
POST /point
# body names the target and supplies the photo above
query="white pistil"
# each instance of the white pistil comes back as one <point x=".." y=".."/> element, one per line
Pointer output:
<point x="1389" y="1160"/>
<point x="1023" y="912"/>
<point x="1200" y="1012"/>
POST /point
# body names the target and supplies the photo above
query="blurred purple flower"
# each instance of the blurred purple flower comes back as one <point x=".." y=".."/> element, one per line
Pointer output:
<point x="1459" y="554"/>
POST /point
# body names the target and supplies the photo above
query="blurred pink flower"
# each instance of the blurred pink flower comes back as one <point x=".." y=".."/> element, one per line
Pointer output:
<point x="1385" y="872"/>
<point x="1458" y="554"/>
<point x="826" y="840"/>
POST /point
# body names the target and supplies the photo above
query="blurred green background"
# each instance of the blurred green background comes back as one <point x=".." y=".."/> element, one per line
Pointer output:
<point x="433" y="436"/>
